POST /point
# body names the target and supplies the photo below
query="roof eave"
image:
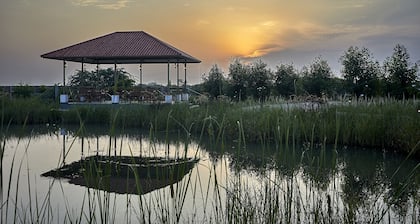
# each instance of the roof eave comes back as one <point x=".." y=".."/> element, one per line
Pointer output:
<point x="126" y="60"/>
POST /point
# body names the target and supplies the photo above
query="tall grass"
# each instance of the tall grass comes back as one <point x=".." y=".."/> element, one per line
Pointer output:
<point x="378" y="123"/>
<point x="301" y="182"/>
<point x="30" y="110"/>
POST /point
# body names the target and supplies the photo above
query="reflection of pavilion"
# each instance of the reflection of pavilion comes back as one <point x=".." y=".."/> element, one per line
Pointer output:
<point x="121" y="174"/>
<point x="124" y="174"/>
<point x="136" y="47"/>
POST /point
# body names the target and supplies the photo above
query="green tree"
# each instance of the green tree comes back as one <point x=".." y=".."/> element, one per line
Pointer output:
<point x="360" y="71"/>
<point x="401" y="74"/>
<point x="102" y="79"/>
<point x="81" y="78"/>
<point x="285" y="80"/>
<point x="259" y="81"/>
<point x="317" y="80"/>
<point x="214" y="83"/>
<point x="238" y="80"/>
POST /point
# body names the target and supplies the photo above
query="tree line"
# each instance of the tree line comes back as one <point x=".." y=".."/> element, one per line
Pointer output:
<point x="362" y="76"/>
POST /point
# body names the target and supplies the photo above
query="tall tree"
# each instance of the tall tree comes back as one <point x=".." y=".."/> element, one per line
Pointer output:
<point x="361" y="71"/>
<point x="401" y="73"/>
<point x="214" y="83"/>
<point x="317" y="80"/>
<point x="285" y="79"/>
<point x="238" y="80"/>
<point x="259" y="81"/>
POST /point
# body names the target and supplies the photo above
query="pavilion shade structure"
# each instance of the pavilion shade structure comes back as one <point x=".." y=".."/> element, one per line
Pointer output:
<point x="136" y="47"/>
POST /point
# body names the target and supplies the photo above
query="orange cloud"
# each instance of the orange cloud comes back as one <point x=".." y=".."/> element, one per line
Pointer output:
<point x="104" y="4"/>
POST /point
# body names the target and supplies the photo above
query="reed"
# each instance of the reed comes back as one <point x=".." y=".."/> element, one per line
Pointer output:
<point x="226" y="194"/>
<point x="376" y="123"/>
<point x="29" y="110"/>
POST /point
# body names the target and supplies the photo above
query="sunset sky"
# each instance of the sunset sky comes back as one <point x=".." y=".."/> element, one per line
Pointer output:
<point x="216" y="31"/>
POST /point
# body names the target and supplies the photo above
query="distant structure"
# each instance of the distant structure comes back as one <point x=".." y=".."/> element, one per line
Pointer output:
<point x="134" y="47"/>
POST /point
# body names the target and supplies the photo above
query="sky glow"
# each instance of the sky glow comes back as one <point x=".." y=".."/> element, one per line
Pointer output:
<point x="216" y="32"/>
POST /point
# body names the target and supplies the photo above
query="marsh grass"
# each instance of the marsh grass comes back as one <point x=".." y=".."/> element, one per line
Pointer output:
<point x="380" y="123"/>
<point x="303" y="186"/>
<point x="28" y="110"/>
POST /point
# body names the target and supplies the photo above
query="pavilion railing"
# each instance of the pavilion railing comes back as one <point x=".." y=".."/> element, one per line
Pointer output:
<point x="134" y="94"/>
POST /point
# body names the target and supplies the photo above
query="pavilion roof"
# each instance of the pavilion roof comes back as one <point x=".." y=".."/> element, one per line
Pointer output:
<point x="132" y="47"/>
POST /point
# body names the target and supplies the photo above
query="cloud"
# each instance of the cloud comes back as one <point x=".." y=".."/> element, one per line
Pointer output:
<point x="202" y="22"/>
<point x="103" y="4"/>
<point x="264" y="50"/>
<point x="269" y="23"/>
<point x="350" y="5"/>
<point x="304" y="36"/>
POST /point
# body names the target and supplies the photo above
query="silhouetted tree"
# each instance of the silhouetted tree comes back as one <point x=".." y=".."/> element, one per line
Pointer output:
<point x="361" y="72"/>
<point x="259" y="80"/>
<point x="401" y="74"/>
<point x="214" y="83"/>
<point x="285" y="80"/>
<point x="238" y="80"/>
<point x="317" y="80"/>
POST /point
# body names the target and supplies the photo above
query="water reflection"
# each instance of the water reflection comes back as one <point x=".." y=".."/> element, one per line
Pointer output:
<point x="363" y="172"/>
<point x="116" y="172"/>
<point x="346" y="182"/>
<point x="124" y="174"/>
<point x="357" y="180"/>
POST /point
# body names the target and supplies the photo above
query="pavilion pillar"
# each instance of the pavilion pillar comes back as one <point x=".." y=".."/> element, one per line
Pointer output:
<point x="98" y="77"/>
<point x="141" y="74"/>
<point x="115" y="78"/>
<point x="168" y="96"/>
<point x="64" y="73"/>
<point x="169" y="81"/>
<point x="141" y="97"/>
<point x="115" y="98"/>
<point x="64" y="98"/>
<point x="177" y="75"/>
<point x="83" y="75"/>
<point x="185" y="96"/>
<point x="178" y="92"/>
<point x="185" y="77"/>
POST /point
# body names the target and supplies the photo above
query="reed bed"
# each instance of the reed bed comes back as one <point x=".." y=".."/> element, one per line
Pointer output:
<point x="303" y="186"/>
<point x="384" y="124"/>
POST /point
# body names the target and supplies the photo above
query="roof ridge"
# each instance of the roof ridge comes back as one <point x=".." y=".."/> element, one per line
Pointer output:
<point x="130" y="31"/>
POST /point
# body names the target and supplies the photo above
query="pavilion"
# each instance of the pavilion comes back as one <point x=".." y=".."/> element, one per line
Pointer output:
<point x="134" y="47"/>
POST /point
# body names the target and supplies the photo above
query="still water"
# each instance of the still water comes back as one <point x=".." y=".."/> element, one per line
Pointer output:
<point x="231" y="182"/>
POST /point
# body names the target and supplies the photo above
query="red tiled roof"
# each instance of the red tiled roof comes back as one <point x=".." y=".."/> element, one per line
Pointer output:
<point x="122" y="48"/>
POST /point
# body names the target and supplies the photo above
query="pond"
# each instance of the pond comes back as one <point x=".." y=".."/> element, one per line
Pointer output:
<point x="227" y="182"/>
